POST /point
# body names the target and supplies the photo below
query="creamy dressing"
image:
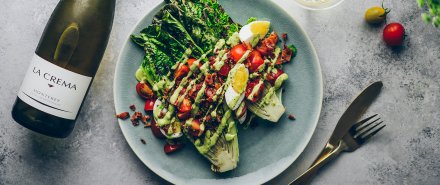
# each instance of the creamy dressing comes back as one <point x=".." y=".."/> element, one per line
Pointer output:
<point x="234" y="39"/>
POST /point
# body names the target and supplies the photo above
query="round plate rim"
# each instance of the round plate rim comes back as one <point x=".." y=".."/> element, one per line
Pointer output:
<point x="171" y="178"/>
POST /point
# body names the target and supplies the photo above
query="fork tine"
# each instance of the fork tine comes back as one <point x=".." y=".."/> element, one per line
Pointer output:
<point x="363" y="132"/>
<point x="358" y="124"/>
<point x="362" y="127"/>
<point x="364" y="138"/>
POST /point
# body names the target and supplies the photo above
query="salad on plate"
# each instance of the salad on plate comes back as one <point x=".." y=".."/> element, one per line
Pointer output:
<point x="203" y="75"/>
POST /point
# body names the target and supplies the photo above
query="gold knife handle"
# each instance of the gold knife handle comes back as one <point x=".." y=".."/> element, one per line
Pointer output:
<point x="328" y="148"/>
<point x="306" y="176"/>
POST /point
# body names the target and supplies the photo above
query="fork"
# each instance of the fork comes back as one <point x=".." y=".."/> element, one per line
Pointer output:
<point x="358" y="134"/>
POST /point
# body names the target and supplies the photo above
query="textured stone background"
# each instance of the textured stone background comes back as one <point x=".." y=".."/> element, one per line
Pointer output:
<point x="351" y="53"/>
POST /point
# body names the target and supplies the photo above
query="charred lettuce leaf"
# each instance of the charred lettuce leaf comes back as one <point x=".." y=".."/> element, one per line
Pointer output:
<point x="179" y="25"/>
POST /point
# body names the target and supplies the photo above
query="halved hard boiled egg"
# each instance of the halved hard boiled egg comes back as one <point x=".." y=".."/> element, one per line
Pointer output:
<point x="239" y="76"/>
<point x="254" y="31"/>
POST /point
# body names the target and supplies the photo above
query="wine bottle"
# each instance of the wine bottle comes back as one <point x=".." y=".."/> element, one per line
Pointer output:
<point x="64" y="65"/>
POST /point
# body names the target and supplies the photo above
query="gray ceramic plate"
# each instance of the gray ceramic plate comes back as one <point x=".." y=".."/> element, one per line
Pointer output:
<point x="265" y="151"/>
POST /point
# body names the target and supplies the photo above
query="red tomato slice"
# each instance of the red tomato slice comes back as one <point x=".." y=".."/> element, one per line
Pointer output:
<point x="224" y="71"/>
<point x="170" y="148"/>
<point x="149" y="104"/>
<point x="156" y="130"/>
<point x="191" y="61"/>
<point x="237" y="52"/>
<point x="181" y="72"/>
<point x="255" y="61"/>
<point x="185" y="106"/>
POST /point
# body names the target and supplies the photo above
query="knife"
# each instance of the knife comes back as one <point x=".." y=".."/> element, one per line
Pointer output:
<point x="350" y="116"/>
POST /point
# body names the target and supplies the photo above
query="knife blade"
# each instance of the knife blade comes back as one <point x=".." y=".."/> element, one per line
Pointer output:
<point x="351" y="115"/>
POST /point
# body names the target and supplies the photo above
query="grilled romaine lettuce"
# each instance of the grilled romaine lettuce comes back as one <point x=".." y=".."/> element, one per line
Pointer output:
<point x="221" y="146"/>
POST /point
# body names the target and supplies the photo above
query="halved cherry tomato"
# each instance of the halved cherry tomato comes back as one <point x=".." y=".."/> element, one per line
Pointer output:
<point x="156" y="130"/>
<point x="272" y="77"/>
<point x="250" y="87"/>
<point x="144" y="90"/>
<point x="149" y="104"/>
<point x="191" y="61"/>
<point x="255" y="61"/>
<point x="224" y="71"/>
<point x="185" y="106"/>
<point x="237" y="52"/>
<point x="181" y="72"/>
<point x="170" y="148"/>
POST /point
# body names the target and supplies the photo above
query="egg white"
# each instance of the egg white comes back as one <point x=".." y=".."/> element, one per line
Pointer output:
<point x="230" y="95"/>
<point x="246" y="34"/>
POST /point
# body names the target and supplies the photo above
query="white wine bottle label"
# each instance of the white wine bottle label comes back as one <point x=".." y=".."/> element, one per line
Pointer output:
<point x="53" y="89"/>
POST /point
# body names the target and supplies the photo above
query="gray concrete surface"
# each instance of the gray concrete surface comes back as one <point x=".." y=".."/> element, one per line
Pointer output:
<point x="351" y="53"/>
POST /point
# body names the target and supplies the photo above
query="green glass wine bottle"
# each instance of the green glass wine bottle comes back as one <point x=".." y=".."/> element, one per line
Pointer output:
<point x="64" y="65"/>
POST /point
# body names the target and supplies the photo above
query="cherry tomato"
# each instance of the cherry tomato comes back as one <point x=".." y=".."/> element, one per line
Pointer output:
<point x="149" y="104"/>
<point x="255" y="61"/>
<point x="250" y="87"/>
<point x="181" y="72"/>
<point x="224" y="71"/>
<point x="376" y="14"/>
<point x="272" y="77"/>
<point x="191" y="61"/>
<point x="156" y="130"/>
<point x="185" y="106"/>
<point x="144" y="90"/>
<point x="237" y="52"/>
<point x="170" y="148"/>
<point x="393" y="34"/>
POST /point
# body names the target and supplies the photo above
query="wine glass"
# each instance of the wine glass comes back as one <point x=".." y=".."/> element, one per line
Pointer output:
<point x="318" y="4"/>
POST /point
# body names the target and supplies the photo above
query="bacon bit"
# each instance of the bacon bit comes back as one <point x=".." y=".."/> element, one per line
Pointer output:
<point x="248" y="46"/>
<point x="161" y="114"/>
<point x="193" y="92"/>
<point x="219" y="118"/>
<point x="135" y="118"/>
<point x="292" y="117"/>
<point x="210" y="79"/>
<point x="184" y="115"/>
<point x="143" y="141"/>
<point x="210" y="92"/>
<point x="145" y="118"/>
<point x="132" y="107"/>
<point x="217" y="86"/>
<point x="147" y="125"/>
<point x="211" y="60"/>
<point x="267" y="46"/>
<point x="286" y="54"/>
<point x="123" y="115"/>
<point x="279" y="60"/>
<point x="284" y="36"/>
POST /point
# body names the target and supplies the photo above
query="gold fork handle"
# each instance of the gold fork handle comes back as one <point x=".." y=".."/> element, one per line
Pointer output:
<point x="306" y="176"/>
